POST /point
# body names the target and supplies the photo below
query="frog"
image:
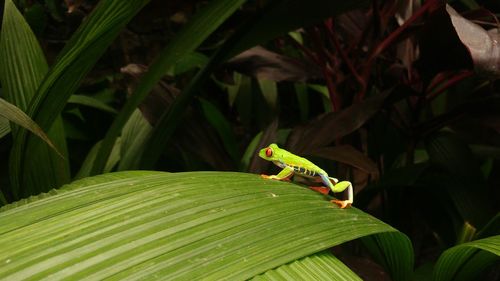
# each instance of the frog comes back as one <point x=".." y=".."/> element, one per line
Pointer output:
<point x="292" y="164"/>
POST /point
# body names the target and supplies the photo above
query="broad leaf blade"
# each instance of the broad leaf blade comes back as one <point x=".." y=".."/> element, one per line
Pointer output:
<point x="76" y="59"/>
<point x="393" y="253"/>
<point x="23" y="63"/>
<point x="321" y="266"/>
<point x="21" y="73"/>
<point x="209" y="225"/>
<point x="465" y="261"/>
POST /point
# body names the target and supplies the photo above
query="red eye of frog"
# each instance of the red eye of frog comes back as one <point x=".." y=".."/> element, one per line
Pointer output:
<point x="269" y="152"/>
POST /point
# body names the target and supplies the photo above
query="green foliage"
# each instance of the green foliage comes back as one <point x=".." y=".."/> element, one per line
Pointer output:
<point x="361" y="88"/>
<point x="185" y="42"/>
<point x="21" y="74"/>
<point x="466" y="261"/>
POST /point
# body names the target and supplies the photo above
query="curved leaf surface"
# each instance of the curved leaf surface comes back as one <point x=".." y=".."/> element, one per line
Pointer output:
<point x="141" y="224"/>
<point x="321" y="266"/>
<point x="16" y="115"/>
<point x="466" y="261"/>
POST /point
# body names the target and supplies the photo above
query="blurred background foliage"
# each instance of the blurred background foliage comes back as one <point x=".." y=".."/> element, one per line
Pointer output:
<point x="394" y="96"/>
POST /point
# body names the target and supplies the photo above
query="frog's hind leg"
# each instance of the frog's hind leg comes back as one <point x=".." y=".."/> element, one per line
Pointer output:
<point x="340" y="187"/>
<point x="320" y="189"/>
<point x="327" y="184"/>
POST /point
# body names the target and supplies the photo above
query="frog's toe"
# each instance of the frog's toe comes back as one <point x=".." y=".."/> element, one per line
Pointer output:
<point x="342" y="203"/>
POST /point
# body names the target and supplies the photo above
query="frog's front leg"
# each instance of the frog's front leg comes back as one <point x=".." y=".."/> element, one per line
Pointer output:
<point x="285" y="174"/>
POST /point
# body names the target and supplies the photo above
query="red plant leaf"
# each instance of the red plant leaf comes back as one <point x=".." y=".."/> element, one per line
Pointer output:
<point x="483" y="45"/>
<point x="264" y="64"/>
<point x="325" y="129"/>
<point x="348" y="155"/>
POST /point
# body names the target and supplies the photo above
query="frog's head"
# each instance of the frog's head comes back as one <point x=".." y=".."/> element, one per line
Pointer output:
<point x="270" y="153"/>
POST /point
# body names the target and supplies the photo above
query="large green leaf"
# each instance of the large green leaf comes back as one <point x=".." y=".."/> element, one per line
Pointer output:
<point x="76" y="59"/>
<point x="21" y="72"/>
<point x="148" y="225"/>
<point x="321" y="266"/>
<point x="466" y="261"/>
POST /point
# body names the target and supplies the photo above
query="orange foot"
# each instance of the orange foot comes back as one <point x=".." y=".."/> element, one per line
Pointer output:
<point x="320" y="189"/>
<point x="342" y="203"/>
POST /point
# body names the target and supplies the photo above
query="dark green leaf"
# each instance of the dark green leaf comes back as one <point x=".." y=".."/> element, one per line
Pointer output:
<point x="92" y="154"/>
<point x="91" y="102"/>
<point x="466" y="261"/>
<point x="73" y="63"/>
<point x="134" y="136"/>
<point x="21" y="72"/>
<point x="219" y="123"/>
<point x="396" y="255"/>
<point x="464" y="182"/>
<point x="188" y="62"/>
<point x="491" y="228"/>
<point x="4" y="127"/>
